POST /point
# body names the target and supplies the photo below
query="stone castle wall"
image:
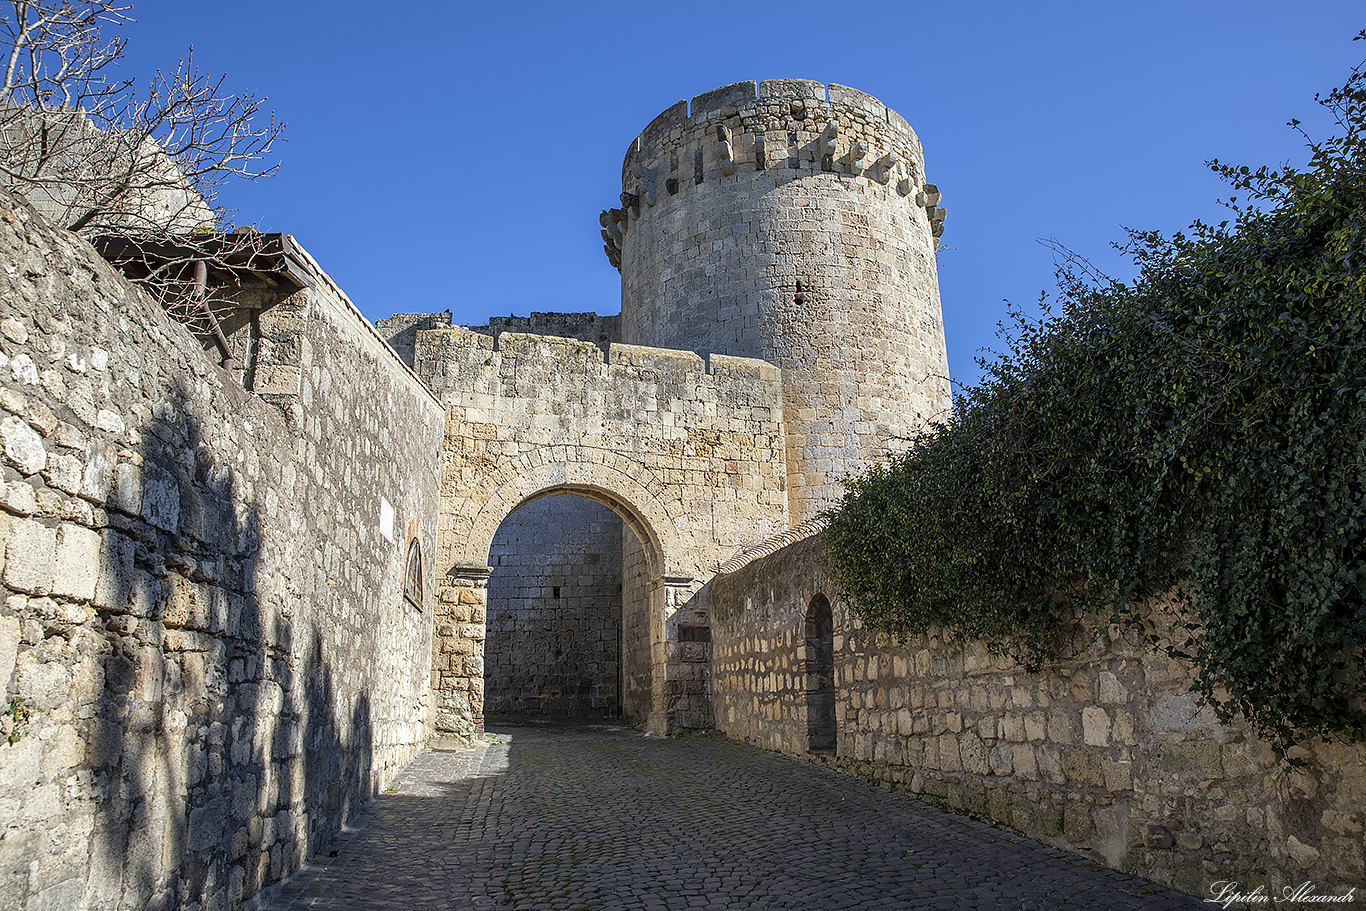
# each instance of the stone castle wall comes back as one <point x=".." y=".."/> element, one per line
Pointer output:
<point x="401" y="329"/>
<point x="589" y="327"/>
<point x="692" y="459"/>
<point x="535" y="552"/>
<point x="207" y="661"/>
<point x="767" y="221"/>
<point x="1109" y="754"/>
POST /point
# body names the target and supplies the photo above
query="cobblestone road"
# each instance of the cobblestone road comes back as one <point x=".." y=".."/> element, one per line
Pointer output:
<point x="562" y="819"/>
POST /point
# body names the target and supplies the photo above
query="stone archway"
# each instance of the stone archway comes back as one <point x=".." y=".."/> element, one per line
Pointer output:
<point x="626" y="490"/>
<point x="689" y="453"/>
<point x="661" y="599"/>
<point x="818" y="670"/>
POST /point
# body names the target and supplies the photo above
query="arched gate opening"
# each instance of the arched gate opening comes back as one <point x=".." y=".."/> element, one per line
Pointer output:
<point x="558" y="636"/>
<point x="566" y="619"/>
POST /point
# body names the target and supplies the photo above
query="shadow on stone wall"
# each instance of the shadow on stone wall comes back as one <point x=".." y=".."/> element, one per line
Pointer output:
<point x="337" y="769"/>
<point x="216" y="755"/>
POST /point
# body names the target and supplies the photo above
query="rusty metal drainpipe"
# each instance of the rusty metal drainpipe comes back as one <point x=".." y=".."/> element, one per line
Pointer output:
<point x="201" y="287"/>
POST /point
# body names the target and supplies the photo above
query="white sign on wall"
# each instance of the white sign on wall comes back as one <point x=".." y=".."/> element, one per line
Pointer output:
<point x="386" y="520"/>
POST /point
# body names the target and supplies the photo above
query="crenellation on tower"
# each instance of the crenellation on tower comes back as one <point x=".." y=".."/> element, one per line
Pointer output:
<point x="762" y="118"/>
<point x="786" y="128"/>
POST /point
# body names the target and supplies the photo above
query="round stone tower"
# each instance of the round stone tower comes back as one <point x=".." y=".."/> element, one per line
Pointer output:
<point x="792" y="223"/>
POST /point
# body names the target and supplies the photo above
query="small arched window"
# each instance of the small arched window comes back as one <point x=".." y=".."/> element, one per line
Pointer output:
<point x="412" y="574"/>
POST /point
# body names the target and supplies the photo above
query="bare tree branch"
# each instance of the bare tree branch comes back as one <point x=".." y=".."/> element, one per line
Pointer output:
<point x="99" y="154"/>
<point x="106" y="156"/>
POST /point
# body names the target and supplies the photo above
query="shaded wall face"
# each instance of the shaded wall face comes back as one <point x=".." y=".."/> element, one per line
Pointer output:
<point x="1109" y="754"/>
<point x="553" y="632"/>
<point x="637" y="661"/>
<point x="204" y="646"/>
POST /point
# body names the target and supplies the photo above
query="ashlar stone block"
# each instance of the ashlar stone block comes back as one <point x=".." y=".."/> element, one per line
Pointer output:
<point x="29" y="558"/>
<point x="76" y="565"/>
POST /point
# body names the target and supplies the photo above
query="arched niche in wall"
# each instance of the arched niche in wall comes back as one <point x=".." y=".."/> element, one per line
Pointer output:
<point x="414" y="566"/>
<point x="819" y="669"/>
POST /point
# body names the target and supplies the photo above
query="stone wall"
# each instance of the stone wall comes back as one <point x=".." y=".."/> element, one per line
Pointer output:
<point x="589" y="327"/>
<point x="637" y="658"/>
<point x="692" y="459"/>
<point x="401" y="329"/>
<point x="554" y="611"/>
<point x="207" y="659"/>
<point x="528" y="558"/>
<point x="1109" y="755"/>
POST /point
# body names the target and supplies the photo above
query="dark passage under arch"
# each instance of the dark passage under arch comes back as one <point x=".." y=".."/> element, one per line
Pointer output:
<point x="567" y="620"/>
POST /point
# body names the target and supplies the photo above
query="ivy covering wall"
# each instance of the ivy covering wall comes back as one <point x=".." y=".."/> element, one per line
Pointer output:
<point x="1202" y="427"/>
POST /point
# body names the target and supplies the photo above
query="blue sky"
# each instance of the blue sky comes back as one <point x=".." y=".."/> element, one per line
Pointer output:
<point x="456" y="156"/>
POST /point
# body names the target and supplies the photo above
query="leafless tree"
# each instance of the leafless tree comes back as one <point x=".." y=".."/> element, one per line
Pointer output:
<point x="107" y="156"/>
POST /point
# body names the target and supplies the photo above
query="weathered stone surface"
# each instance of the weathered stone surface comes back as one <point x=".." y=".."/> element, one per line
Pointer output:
<point x="76" y="563"/>
<point x="23" y="446"/>
<point x="1108" y="759"/>
<point x="203" y="640"/>
<point x="29" y="557"/>
<point x="9" y="647"/>
<point x="1095" y="726"/>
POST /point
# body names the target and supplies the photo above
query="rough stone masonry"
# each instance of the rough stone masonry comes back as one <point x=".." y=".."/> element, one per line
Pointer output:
<point x="237" y="601"/>
<point x="208" y="665"/>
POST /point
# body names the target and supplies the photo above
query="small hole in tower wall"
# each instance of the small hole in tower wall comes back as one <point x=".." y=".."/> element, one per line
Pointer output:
<point x="555" y="592"/>
<point x="801" y="293"/>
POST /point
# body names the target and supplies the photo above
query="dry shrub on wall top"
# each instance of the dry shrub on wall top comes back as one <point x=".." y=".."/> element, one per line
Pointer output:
<point x="1203" y="424"/>
<point x="103" y="155"/>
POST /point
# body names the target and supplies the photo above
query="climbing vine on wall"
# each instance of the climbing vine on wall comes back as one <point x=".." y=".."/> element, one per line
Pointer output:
<point x="1203" y="426"/>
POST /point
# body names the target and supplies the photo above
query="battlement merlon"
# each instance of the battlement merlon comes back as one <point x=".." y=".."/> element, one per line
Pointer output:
<point x="787" y="127"/>
<point x="456" y="360"/>
<point x="807" y="100"/>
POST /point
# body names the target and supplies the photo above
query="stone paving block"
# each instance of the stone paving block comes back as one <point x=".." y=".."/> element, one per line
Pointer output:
<point x="551" y="817"/>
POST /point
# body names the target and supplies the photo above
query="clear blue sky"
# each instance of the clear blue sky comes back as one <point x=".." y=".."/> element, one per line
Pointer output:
<point x="457" y="155"/>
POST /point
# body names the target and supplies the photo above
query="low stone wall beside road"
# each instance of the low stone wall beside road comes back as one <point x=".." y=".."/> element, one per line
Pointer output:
<point x="1108" y="754"/>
